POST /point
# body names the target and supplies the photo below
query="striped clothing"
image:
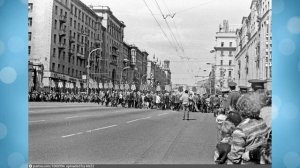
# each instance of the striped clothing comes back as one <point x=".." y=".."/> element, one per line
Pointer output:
<point x="249" y="135"/>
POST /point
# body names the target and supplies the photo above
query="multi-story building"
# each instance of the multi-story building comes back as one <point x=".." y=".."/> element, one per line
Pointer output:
<point x="167" y="71"/>
<point x="61" y="35"/>
<point x="113" y="42"/>
<point x="254" y="51"/>
<point x="224" y="55"/>
<point x="139" y="65"/>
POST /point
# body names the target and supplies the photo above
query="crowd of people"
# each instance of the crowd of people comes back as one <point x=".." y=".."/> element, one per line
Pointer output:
<point x="244" y="126"/>
<point x="243" y="118"/>
<point x="130" y="99"/>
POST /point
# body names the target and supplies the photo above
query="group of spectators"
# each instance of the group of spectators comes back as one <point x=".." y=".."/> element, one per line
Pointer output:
<point x="244" y="127"/>
<point x="146" y="99"/>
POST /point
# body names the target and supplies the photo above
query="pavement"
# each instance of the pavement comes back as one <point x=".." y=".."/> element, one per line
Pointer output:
<point x="81" y="133"/>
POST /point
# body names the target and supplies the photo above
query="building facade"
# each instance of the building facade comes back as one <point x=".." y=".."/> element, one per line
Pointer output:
<point x="61" y="35"/>
<point x="253" y="55"/>
<point x="114" y="36"/>
<point x="224" y="56"/>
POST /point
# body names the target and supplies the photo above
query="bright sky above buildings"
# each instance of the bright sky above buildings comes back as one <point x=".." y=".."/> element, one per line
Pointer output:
<point x="196" y="22"/>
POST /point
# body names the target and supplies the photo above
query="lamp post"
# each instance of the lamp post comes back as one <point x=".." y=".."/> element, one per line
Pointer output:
<point x="88" y="69"/>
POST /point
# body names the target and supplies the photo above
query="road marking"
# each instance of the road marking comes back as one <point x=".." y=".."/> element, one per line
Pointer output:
<point x="38" y="121"/>
<point x="72" y="117"/>
<point x="71" y="135"/>
<point x="162" y="114"/>
<point x="137" y="119"/>
<point x="101" y="128"/>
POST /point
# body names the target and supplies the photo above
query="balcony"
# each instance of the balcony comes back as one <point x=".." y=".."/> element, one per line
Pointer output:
<point x="80" y="55"/>
<point x="72" y="39"/>
<point x="61" y="46"/>
<point x="62" y="32"/>
<point x="114" y="62"/>
<point x="115" y="53"/>
<point x="63" y="18"/>
<point x="71" y="51"/>
<point x="97" y="41"/>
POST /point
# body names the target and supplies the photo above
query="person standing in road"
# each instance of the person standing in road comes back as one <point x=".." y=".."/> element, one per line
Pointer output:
<point x="185" y="103"/>
<point x="232" y="97"/>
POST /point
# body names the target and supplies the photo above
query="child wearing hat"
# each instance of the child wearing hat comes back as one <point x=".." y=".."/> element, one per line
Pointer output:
<point x="224" y="146"/>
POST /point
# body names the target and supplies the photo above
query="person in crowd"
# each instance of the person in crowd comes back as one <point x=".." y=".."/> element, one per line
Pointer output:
<point x="224" y="145"/>
<point x="232" y="97"/>
<point x="250" y="133"/>
<point x="185" y="103"/>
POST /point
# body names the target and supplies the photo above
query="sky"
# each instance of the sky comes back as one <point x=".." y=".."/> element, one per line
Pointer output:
<point x="193" y="26"/>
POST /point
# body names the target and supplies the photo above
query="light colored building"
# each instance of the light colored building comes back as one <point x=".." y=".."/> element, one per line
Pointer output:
<point x="224" y="55"/>
<point x="167" y="71"/>
<point x="61" y="35"/>
<point x="253" y="55"/>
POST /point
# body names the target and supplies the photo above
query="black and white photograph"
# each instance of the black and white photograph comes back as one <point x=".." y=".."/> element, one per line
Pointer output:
<point x="168" y="82"/>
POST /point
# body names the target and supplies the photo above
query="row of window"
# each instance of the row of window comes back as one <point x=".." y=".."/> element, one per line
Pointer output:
<point x="222" y="73"/>
<point x="223" y="44"/>
<point x="82" y="16"/>
<point x="229" y="53"/>
<point x="61" y="69"/>
<point x="230" y="62"/>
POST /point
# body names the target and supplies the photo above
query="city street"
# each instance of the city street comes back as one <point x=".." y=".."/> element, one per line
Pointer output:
<point x="91" y="133"/>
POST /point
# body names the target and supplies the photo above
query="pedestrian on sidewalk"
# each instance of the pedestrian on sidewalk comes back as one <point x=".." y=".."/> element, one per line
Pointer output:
<point x="185" y="104"/>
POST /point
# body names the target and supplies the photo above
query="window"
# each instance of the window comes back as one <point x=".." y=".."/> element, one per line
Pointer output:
<point x="64" y="54"/>
<point x="222" y="53"/>
<point x="29" y="50"/>
<point x="53" y="66"/>
<point x="230" y="61"/>
<point x="221" y="62"/>
<point x="30" y="21"/>
<point x="54" y="52"/>
<point x="29" y="36"/>
<point x="30" y="7"/>
<point x="75" y="24"/>
<point x="63" y="69"/>
<point x="229" y="73"/>
<point x="230" y="53"/>
<point x="72" y="72"/>
<point x="54" y="40"/>
<point x="267" y="72"/>
<point x="68" y="71"/>
<point x="75" y="12"/>
<point x="222" y="44"/>
<point x="72" y="9"/>
<point x="56" y="9"/>
<point x="230" y="44"/>
<point x="58" y="67"/>
<point x="55" y="24"/>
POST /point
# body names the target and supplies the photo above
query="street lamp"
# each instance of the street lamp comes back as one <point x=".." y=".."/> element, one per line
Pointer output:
<point x="88" y="69"/>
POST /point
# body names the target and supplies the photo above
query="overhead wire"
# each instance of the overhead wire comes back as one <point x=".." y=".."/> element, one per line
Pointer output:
<point x="164" y="33"/>
<point x="170" y="30"/>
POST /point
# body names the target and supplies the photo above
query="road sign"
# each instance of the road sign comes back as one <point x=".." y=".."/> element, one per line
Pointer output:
<point x="117" y="87"/>
<point x="133" y="87"/>
<point x="168" y="88"/>
<point x="105" y="85"/>
<point x="110" y="85"/>
<point x="158" y="88"/>
<point x="60" y="84"/>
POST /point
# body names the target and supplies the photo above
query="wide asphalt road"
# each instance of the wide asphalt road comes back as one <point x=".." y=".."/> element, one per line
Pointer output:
<point x="91" y="133"/>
